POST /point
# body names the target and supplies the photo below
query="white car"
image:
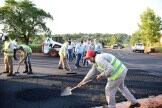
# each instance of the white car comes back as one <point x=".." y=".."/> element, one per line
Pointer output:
<point x="51" y="47"/>
<point x="138" y="47"/>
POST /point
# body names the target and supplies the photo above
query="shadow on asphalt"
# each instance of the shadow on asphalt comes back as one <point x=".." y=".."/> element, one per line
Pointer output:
<point x="44" y="91"/>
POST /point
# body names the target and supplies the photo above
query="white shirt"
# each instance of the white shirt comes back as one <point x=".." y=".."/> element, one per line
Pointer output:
<point x="70" y="46"/>
<point x="98" y="47"/>
<point x="79" y="49"/>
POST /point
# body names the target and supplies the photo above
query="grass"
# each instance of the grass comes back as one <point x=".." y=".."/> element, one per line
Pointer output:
<point x="36" y="48"/>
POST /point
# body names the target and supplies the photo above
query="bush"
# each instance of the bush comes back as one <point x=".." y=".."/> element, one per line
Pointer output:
<point x="36" y="48"/>
<point x="158" y="49"/>
<point x="125" y="45"/>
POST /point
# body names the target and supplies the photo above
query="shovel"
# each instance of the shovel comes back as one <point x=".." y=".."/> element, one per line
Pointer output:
<point x="68" y="90"/>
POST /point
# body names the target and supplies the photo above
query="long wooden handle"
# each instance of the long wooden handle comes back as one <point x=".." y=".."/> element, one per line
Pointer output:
<point x="81" y="85"/>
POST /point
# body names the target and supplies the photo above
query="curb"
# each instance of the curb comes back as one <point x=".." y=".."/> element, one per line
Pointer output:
<point x="151" y="102"/>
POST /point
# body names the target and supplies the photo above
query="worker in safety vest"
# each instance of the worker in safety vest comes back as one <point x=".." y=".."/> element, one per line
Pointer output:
<point x="115" y="71"/>
<point x="8" y="56"/>
<point x="25" y="53"/>
<point x="63" y="56"/>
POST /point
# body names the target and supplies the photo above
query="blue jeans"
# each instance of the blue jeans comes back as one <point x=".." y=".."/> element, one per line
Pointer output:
<point x="27" y="62"/>
<point x="85" y="62"/>
<point x="78" y="58"/>
<point x="70" y="55"/>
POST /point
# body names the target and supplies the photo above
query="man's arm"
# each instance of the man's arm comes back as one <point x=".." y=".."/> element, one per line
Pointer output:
<point x="90" y="75"/>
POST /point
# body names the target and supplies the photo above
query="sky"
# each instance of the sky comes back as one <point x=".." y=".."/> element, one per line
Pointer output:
<point x="96" y="16"/>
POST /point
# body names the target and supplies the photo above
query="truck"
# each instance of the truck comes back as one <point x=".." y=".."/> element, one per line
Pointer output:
<point x="51" y="47"/>
<point x="138" y="47"/>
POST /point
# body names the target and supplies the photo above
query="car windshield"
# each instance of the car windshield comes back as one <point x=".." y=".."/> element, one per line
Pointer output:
<point x="139" y="44"/>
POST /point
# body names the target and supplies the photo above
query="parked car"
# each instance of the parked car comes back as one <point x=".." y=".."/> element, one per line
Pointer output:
<point x="139" y="47"/>
<point x="117" y="46"/>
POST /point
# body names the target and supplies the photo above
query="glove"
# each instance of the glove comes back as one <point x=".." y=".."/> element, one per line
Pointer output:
<point x="99" y="77"/>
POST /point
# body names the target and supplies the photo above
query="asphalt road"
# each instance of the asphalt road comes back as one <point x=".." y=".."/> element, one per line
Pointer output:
<point x="42" y="90"/>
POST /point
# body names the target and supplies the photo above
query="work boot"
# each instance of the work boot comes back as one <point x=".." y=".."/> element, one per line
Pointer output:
<point x="5" y="72"/>
<point x="30" y="73"/>
<point x="136" y="105"/>
<point x="60" y="67"/>
<point x="26" y="71"/>
<point x="67" y="69"/>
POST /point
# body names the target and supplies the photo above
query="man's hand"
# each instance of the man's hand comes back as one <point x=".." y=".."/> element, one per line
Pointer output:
<point x="80" y="84"/>
<point x="99" y="77"/>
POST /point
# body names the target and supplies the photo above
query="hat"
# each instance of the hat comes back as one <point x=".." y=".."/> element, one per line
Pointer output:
<point x="89" y="54"/>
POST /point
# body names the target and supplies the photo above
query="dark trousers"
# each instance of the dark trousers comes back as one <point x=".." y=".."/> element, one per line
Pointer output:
<point x="27" y="62"/>
<point x="70" y="55"/>
<point x="78" y="58"/>
<point x="85" y="62"/>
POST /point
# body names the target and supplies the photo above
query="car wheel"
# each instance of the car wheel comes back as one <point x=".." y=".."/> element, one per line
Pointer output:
<point x="53" y="53"/>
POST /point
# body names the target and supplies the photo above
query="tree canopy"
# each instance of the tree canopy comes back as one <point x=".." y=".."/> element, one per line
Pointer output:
<point x="136" y="38"/>
<point x="23" y="19"/>
<point x="150" y="27"/>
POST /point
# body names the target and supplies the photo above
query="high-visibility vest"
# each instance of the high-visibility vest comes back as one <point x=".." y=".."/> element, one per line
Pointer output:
<point x="118" y="68"/>
<point x="26" y="48"/>
<point x="63" y="50"/>
<point x="7" y="49"/>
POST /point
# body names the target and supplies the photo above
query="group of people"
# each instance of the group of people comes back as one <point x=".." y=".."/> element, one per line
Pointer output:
<point x="76" y="50"/>
<point x="9" y="49"/>
<point x="103" y="65"/>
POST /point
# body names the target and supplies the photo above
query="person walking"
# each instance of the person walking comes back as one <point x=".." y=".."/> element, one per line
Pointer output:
<point x="85" y="62"/>
<point x="8" y="56"/>
<point x="115" y="71"/>
<point x="63" y="56"/>
<point x="78" y="51"/>
<point x="70" y="51"/>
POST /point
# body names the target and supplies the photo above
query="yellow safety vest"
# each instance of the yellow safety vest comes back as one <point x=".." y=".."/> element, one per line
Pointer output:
<point x="26" y="48"/>
<point x="7" y="49"/>
<point x="118" y="67"/>
<point x="63" y="50"/>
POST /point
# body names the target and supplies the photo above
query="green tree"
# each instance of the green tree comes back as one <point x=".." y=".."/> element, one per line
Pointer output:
<point x="115" y="40"/>
<point x="150" y="27"/>
<point x="136" y="38"/>
<point x="23" y="19"/>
